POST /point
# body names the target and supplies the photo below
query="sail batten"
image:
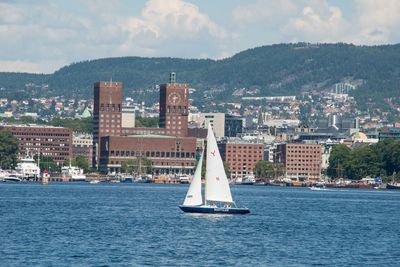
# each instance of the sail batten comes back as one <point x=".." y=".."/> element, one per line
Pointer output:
<point x="193" y="195"/>
<point x="217" y="185"/>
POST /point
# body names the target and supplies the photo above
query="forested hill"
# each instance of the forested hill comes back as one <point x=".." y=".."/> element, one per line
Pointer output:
<point x="274" y="70"/>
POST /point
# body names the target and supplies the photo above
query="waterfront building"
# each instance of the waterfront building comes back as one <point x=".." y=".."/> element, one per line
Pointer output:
<point x="106" y="113"/>
<point x="168" y="154"/>
<point x="167" y="146"/>
<point x="48" y="141"/>
<point x="241" y="156"/>
<point x="301" y="161"/>
<point x="82" y="145"/>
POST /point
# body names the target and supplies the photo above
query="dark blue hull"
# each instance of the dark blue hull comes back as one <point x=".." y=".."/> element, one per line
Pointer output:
<point x="211" y="210"/>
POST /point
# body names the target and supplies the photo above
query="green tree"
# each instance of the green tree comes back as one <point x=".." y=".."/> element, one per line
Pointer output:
<point x="388" y="151"/>
<point x="264" y="169"/>
<point x="146" y="122"/>
<point x="338" y="161"/>
<point x="364" y="161"/>
<point x="47" y="163"/>
<point x="79" y="125"/>
<point x="80" y="162"/>
<point x="129" y="166"/>
<point x="8" y="150"/>
<point x="146" y="165"/>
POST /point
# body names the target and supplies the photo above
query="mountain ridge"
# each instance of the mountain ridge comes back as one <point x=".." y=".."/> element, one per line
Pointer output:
<point x="280" y="69"/>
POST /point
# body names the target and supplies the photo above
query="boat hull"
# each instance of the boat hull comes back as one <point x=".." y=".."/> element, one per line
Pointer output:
<point x="394" y="187"/>
<point x="212" y="210"/>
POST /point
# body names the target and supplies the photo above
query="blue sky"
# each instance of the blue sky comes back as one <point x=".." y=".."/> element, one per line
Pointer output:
<point x="44" y="35"/>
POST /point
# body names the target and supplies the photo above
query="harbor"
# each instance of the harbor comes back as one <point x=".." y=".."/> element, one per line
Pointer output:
<point x="140" y="224"/>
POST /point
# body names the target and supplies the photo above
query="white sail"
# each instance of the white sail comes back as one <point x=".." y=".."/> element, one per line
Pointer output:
<point x="193" y="196"/>
<point x="217" y="185"/>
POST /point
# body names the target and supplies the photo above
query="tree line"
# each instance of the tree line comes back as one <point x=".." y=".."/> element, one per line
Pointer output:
<point x="377" y="160"/>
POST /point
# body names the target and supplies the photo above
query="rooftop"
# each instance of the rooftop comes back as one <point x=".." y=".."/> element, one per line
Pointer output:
<point x="31" y="125"/>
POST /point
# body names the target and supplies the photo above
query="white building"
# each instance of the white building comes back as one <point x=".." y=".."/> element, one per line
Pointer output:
<point x="128" y="117"/>
<point x="216" y="120"/>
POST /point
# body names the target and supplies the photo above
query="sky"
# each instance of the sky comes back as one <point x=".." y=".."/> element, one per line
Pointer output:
<point x="41" y="36"/>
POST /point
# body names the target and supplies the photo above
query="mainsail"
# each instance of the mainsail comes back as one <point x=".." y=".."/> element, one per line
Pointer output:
<point x="193" y="196"/>
<point x="217" y="185"/>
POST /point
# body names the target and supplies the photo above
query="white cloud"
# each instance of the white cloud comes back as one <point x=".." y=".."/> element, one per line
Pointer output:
<point x="377" y="21"/>
<point x="372" y="22"/>
<point x="44" y="35"/>
<point x="170" y="21"/>
<point x="319" y="22"/>
<point x="19" y="65"/>
<point x="269" y="12"/>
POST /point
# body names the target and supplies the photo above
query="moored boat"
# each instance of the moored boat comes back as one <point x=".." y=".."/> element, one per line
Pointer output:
<point x="73" y="173"/>
<point x="218" y="197"/>
<point x="249" y="180"/>
<point x="393" y="186"/>
<point x="184" y="179"/>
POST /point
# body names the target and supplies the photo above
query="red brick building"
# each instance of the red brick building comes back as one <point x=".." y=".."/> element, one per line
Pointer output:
<point x="301" y="161"/>
<point x="241" y="157"/>
<point x="107" y="114"/>
<point x="168" y="146"/>
<point x="169" y="155"/>
<point x="48" y="141"/>
<point x="174" y="102"/>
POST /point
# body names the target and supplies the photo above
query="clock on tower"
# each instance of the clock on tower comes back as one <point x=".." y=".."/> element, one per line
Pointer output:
<point x="174" y="98"/>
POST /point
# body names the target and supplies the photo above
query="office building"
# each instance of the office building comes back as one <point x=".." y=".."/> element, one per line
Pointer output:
<point x="241" y="156"/>
<point x="47" y="141"/>
<point x="301" y="161"/>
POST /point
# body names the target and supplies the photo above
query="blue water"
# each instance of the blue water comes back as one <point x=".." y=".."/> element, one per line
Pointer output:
<point x="140" y="224"/>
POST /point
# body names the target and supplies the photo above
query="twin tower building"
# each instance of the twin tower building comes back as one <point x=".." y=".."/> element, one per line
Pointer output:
<point x="168" y="147"/>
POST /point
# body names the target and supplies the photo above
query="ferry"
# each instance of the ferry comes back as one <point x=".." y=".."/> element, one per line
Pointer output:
<point x="27" y="168"/>
<point x="74" y="173"/>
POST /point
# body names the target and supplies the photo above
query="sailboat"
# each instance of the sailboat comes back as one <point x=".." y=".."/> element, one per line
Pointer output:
<point x="217" y="197"/>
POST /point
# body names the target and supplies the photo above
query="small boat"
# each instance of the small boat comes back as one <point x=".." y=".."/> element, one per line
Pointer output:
<point x="317" y="188"/>
<point x="395" y="186"/>
<point x="218" y="198"/>
<point x="94" y="181"/>
<point x="249" y="180"/>
<point x="128" y="179"/>
<point x="184" y="179"/>
<point x="12" y="178"/>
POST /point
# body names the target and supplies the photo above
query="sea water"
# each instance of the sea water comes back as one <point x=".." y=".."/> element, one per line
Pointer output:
<point x="141" y="224"/>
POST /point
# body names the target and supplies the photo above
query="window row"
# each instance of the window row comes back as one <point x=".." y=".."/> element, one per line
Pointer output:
<point x="152" y="154"/>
